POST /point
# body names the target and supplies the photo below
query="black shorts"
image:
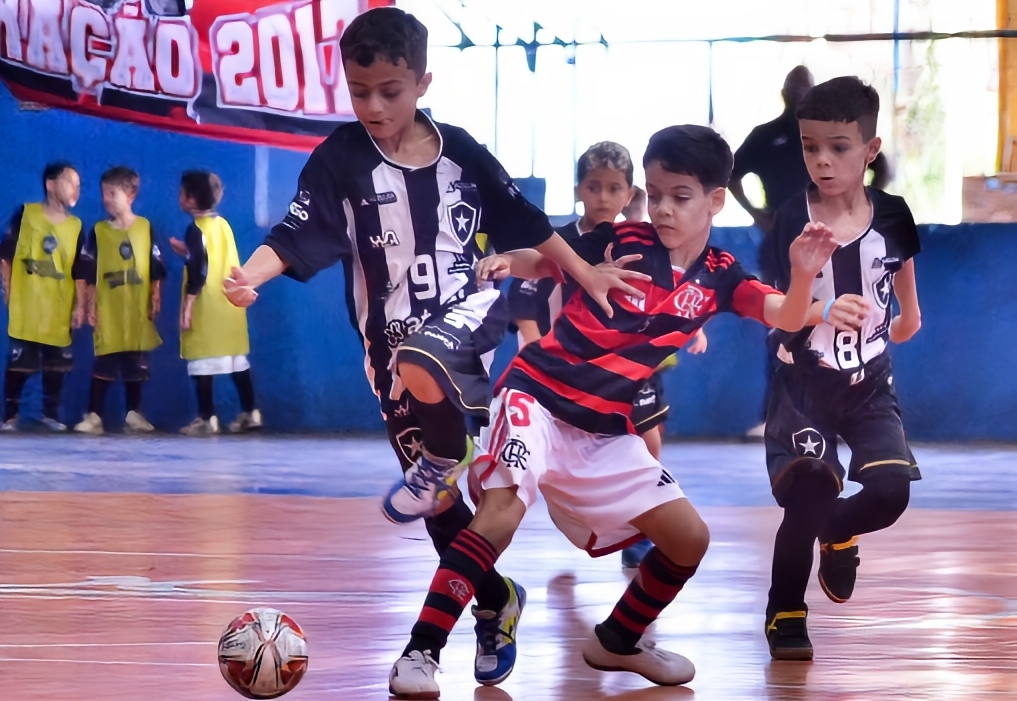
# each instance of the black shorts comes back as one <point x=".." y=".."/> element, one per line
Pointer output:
<point x="30" y="357"/>
<point x="458" y="358"/>
<point x="131" y="366"/>
<point x="809" y="407"/>
<point x="650" y="409"/>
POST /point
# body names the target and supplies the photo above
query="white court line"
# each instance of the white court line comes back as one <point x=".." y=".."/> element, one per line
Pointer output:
<point x="216" y="556"/>
<point x="109" y="662"/>
<point x="103" y="645"/>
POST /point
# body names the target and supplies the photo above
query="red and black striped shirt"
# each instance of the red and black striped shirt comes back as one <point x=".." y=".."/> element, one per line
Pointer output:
<point x="589" y="368"/>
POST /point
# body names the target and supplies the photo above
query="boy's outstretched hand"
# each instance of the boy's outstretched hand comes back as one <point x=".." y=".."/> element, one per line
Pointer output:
<point x="179" y="247"/>
<point x="238" y="289"/>
<point x="494" y="268"/>
<point x="812" y="249"/>
<point x="612" y="275"/>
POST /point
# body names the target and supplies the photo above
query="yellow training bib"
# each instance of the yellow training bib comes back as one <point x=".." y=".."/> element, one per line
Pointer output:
<point x="123" y="289"/>
<point x="42" y="290"/>
<point x="218" y="328"/>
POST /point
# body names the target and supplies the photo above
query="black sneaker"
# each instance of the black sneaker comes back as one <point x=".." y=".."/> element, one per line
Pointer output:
<point x="838" y="567"/>
<point x="788" y="636"/>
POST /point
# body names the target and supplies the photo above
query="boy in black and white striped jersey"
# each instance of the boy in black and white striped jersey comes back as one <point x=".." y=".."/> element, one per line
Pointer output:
<point x="834" y="378"/>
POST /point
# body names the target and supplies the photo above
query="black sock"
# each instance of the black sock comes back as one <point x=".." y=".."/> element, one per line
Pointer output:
<point x="52" y="384"/>
<point x="206" y="404"/>
<point x="881" y="501"/>
<point x="442" y="428"/>
<point x="492" y="593"/>
<point x="807" y="504"/>
<point x="132" y="392"/>
<point x="97" y="396"/>
<point x="245" y="389"/>
<point x="14" y="383"/>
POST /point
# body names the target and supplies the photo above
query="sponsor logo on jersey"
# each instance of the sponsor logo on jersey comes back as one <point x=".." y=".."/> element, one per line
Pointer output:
<point x="386" y="240"/>
<point x="380" y="198"/>
<point x="461" y="266"/>
<point x="461" y="185"/>
<point x="447" y="340"/>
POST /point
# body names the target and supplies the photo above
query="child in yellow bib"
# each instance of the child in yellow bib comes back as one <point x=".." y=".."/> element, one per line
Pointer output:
<point x="213" y="333"/>
<point x="123" y="269"/>
<point x="37" y="259"/>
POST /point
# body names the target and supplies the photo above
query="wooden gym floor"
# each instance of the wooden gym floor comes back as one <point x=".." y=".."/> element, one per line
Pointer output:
<point x="122" y="559"/>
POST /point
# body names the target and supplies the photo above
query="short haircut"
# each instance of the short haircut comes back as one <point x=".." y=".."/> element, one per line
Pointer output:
<point x="54" y="170"/>
<point x="127" y="179"/>
<point x="386" y="34"/>
<point x="693" y="150"/>
<point x="606" y="154"/>
<point x="845" y="99"/>
<point x="203" y="187"/>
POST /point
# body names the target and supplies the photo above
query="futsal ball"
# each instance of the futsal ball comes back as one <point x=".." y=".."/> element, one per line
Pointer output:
<point x="263" y="653"/>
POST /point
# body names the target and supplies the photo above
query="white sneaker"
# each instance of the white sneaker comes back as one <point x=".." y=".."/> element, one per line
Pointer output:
<point x="10" y="425"/>
<point x="756" y="433"/>
<point x="412" y="676"/>
<point x="201" y="427"/>
<point x="136" y="423"/>
<point x="246" y="422"/>
<point x="659" y="666"/>
<point x="91" y="424"/>
<point x="53" y="425"/>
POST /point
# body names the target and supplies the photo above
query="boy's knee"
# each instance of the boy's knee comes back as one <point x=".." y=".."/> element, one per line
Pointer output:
<point x="892" y="489"/>
<point x="806" y="480"/>
<point x="698" y="540"/>
<point x="419" y="382"/>
<point x="498" y="516"/>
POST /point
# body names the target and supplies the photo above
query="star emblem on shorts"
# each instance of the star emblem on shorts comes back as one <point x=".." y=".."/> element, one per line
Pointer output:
<point x="461" y="222"/>
<point x="809" y="443"/>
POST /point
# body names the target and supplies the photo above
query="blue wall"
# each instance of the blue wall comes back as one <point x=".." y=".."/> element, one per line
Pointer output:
<point x="956" y="378"/>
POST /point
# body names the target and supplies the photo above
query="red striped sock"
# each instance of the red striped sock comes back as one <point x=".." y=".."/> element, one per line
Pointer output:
<point x="654" y="587"/>
<point x="462" y="567"/>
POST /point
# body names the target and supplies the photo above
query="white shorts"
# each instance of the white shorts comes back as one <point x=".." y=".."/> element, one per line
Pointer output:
<point x="223" y="365"/>
<point x="594" y="484"/>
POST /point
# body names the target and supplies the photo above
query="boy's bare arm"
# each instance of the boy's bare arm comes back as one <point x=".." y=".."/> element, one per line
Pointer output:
<point x="155" y="304"/>
<point x="263" y="265"/>
<point x="907" y="323"/>
<point x="80" y="304"/>
<point x="526" y="264"/>
<point x="5" y="272"/>
<point x="809" y="253"/>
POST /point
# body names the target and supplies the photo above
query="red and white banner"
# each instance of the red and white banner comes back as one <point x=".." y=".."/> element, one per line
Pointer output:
<point x="257" y="71"/>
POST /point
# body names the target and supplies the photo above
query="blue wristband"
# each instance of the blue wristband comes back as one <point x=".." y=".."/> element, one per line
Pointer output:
<point x="826" y="310"/>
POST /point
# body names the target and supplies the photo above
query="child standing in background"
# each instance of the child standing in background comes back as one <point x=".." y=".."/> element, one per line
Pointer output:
<point x="123" y="268"/>
<point x="213" y="333"/>
<point x="37" y="255"/>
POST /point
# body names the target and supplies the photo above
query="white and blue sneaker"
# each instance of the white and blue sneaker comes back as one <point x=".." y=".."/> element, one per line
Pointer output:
<point x="424" y="488"/>
<point x="633" y="555"/>
<point x="496" y="638"/>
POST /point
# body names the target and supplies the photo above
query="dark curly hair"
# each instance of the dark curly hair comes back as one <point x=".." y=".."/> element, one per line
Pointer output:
<point x="386" y="34"/>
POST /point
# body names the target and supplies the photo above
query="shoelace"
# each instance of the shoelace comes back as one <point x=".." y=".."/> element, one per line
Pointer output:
<point x="489" y="633"/>
<point x="420" y="482"/>
<point x="425" y="661"/>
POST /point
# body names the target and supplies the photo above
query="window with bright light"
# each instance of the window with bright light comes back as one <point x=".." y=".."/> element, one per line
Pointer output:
<point x="569" y="73"/>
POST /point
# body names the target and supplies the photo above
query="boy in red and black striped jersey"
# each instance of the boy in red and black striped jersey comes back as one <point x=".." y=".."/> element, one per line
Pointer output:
<point x="562" y="419"/>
